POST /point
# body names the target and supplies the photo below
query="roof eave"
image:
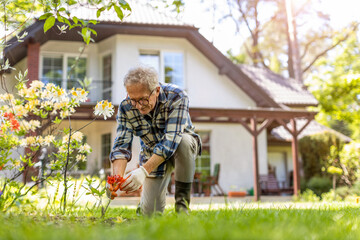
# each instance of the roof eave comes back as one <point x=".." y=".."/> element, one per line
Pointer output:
<point x="17" y="50"/>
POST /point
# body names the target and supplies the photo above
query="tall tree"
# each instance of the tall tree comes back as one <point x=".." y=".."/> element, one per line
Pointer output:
<point x="336" y="85"/>
<point x="314" y="40"/>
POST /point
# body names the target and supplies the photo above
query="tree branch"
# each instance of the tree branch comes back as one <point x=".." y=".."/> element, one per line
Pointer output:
<point x="331" y="47"/>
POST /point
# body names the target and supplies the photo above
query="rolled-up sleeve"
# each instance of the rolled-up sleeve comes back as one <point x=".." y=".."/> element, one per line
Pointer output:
<point x="174" y="127"/>
<point x="124" y="137"/>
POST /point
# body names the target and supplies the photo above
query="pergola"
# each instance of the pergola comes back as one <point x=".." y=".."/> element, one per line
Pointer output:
<point x="253" y="120"/>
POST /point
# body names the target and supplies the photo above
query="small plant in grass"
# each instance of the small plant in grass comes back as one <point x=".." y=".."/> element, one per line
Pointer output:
<point x="307" y="196"/>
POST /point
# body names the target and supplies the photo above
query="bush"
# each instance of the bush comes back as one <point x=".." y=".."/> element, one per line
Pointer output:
<point x="319" y="185"/>
<point x="329" y="196"/>
<point x="315" y="152"/>
<point x="308" y="196"/>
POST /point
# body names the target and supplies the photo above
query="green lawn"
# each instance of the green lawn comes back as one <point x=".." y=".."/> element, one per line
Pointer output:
<point x="244" y="221"/>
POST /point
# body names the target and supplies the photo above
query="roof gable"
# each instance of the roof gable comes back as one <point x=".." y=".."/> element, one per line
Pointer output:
<point x="149" y="25"/>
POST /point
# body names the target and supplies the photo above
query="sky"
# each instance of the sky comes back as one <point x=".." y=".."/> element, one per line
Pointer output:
<point x="223" y="37"/>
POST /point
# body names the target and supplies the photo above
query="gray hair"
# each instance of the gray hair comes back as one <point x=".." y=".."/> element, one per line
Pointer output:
<point x="143" y="75"/>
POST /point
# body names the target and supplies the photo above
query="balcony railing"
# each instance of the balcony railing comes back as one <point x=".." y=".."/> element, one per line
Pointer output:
<point x="98" y="89"/>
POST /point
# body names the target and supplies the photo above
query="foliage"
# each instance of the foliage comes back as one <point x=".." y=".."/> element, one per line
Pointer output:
<point x="315" y="151"/>
<point x="266" y="18"/>
<point x="350" y="162"/>
<point x="337" y="88"/>
<point x="53" y="11"/>
<point x="307" y="196"/>
<point x="329" y="196"/>
<point x="334" y="170"/>
<point x="319" y="185"/>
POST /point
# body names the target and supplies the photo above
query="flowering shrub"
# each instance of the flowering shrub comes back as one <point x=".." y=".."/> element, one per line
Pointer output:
<point x="30" y="121"/>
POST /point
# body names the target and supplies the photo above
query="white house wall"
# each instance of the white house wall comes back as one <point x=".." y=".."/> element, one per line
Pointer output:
<point x="206" y="88"/>
<point x="231" y="146"/>
<point x="277" y="155"/>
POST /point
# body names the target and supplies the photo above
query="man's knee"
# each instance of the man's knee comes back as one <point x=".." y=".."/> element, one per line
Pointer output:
<point x="187" y="146"/>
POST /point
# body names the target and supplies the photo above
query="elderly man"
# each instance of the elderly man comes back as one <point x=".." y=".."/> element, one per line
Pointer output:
<point x="159" y="115"/>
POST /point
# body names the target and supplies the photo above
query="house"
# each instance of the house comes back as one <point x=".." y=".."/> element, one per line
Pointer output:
<point x="232" y="107"/>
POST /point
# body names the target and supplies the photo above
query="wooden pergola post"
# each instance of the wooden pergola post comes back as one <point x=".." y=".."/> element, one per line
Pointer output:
<point x="255" y="159"/>
<point x="295" y="157"/>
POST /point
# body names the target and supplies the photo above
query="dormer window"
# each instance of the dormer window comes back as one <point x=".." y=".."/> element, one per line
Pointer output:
<point x="170" y="65"/>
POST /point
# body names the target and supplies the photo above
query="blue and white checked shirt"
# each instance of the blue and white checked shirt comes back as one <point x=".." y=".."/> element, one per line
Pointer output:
<point x="160" y="131"/>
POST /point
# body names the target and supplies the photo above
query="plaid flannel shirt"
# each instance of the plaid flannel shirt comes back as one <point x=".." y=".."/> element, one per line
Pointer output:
<point x="160" y="131"/>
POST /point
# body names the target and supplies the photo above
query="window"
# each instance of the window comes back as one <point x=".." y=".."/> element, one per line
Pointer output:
<point x="53" y="70"/>
<point x="105" y="150"/>
<point x="203" y="162"/>
<point x="169" y="65"/>
<point x="106" y="88"/>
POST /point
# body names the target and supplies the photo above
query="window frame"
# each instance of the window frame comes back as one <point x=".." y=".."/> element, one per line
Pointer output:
<point x="102" y="56"/>
<point x="197" y="165"/>
<point x="161" y="53"/>
<point x="64" y="57"/>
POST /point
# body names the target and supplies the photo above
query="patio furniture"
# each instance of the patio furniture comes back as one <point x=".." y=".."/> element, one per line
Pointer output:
<point x="269" y="184"/>
<point x="212" y="182"/>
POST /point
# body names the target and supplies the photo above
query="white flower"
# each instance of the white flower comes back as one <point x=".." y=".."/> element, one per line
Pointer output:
<point x="77" y="136"/>
<point x="29" y="141"/>
<point x="36" y="84"/>
<point x="64" y="114"/>
<point x="6" y="97"/>
<point x="48" y="140"/>
<point x="85" y="148"/>
<point x="104" y="108"/>
<point x="21" y="111"/>
<point x="80" y="158"/>
<point x="80" y="95"/>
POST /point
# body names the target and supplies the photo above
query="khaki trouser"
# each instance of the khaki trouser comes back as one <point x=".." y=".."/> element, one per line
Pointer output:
<point x="153" y="197"/>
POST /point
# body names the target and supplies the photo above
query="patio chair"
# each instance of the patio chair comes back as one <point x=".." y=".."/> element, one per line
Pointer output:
<point x="269" y="184"/>
<point x="212" y="182"/>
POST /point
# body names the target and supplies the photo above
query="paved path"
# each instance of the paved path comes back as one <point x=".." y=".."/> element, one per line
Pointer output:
<point x="133" y="201"/>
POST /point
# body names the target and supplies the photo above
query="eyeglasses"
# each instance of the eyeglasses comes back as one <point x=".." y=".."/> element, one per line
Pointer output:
<point x="141" y="101"/>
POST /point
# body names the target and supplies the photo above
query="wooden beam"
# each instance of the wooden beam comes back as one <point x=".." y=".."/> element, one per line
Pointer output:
<point x="255" y="160"/>
<point x="264" y="125"/>
<point x="295" y="157"/>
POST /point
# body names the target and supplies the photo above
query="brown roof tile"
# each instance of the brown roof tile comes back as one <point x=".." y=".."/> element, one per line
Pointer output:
<point x="283" y="90"/>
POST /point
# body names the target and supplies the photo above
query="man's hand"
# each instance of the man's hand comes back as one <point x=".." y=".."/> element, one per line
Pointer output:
<point x="135" y="179"/>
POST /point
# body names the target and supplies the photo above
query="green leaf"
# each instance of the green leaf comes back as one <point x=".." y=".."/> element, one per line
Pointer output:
<point x="57" y="120"/>
<point x="75" y="19"/>
<point x="125" y="5"/>
<point x="62" y="9"/>
<point x="93" y="31"/>
<point x="94" y="22"/>
<point x="45" y="16"/>
<point x="49" y="23"/>
<point x="119" y="12"/>
<point x="99" y="11"/>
